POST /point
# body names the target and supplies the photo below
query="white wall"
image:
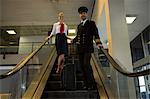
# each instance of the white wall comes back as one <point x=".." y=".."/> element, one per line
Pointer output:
<point x="139" y="8"/>
<point x="119" y="31"/>
<point x="11" y="58"/>
<point x="121" y="46"/>
<point x="118" y="43"/>
<point x="101" y="24"/>
<point x="41" y="12"/>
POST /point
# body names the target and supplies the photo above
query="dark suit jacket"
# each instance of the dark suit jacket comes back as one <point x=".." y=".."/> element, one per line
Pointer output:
<point x="85" y="36"/>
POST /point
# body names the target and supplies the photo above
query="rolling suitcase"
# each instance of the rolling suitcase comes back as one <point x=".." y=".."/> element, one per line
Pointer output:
<point x="68" y="76"/>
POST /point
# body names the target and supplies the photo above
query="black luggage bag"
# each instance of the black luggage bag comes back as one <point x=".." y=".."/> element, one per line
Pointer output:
<point x="69" y="76"/>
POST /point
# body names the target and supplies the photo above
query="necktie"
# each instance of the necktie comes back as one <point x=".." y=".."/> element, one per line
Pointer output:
<point x="61" y="28"/>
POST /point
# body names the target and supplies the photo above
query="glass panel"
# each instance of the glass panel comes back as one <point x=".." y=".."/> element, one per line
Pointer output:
<point x="146" y="34"/>
<point x="17" y="84"/>
<point x="114" y="80"/>
<point x="137" y="49"/>
<point x="141" y="80"/>
<point x="142" y="89"/>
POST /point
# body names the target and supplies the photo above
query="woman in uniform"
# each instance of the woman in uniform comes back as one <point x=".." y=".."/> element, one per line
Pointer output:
<point x="60" y="29"/>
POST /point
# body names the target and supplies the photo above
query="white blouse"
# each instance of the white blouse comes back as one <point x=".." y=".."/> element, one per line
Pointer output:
<point x="56" y="28"/>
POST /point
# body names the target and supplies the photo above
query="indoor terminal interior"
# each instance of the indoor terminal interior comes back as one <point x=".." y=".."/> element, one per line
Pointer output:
<point x="74" y="49"/>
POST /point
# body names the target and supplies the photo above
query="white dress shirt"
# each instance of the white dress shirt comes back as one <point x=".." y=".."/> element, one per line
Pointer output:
<point x="56" y="28"/>
<point x="84" y="21"/>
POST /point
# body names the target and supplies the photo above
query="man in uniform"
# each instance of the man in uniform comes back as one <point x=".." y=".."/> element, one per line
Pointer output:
<point x="86" y="31"/>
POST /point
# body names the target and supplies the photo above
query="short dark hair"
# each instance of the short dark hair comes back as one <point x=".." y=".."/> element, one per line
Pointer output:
<point x="82" y="9"/>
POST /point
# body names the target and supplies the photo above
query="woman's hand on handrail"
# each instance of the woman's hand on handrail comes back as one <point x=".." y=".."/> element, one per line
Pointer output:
<point x="47" y="38"/>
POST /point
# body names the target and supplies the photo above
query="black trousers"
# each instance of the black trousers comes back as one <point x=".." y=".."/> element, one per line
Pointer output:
<point x="84" y="59"/>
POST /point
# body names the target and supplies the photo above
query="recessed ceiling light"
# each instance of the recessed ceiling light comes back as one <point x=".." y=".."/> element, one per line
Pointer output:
<point x="130" y="19"/>
<point x="72" y="30"/>
<point x="10" y="31"/>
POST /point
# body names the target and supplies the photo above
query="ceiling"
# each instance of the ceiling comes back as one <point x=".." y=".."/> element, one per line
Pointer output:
<point x="140" y="8"/>
<point x="41" y="12"/>
<point x="35" y="17"/>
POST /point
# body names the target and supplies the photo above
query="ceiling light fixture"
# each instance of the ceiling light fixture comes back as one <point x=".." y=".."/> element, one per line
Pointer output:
<point x="10" y="31"/>
<point x="130" y="19"/>
<point x="72" y="30"/>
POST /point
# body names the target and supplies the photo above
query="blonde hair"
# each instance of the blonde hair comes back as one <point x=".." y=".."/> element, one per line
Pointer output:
<point x="61" y="14"/>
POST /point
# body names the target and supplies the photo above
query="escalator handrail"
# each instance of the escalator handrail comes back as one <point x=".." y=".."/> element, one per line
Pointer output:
<point x="124" y="72"/>
<point x="22" y="63"/>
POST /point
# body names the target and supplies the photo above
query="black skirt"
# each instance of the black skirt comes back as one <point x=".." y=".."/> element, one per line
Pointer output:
<point x="61" y="43"/>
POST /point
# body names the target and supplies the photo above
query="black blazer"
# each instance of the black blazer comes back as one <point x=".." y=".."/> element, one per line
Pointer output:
<point x="85" y="36"/>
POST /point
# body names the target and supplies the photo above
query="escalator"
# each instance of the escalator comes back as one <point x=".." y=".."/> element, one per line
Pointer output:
<point x="55" y="87"/>
<point x="43" y="83"/>
<point x="116" y="82"/>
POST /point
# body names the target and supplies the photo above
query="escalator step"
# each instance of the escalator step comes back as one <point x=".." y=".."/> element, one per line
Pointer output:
<point x="54" y="77"/>
<point x="80" y="94"/>
<point x="57" y="85"/>
<point x="54" y="88"/>
<point x="79" y="77"/>
<point x="80" y="85"/>
<point x="53" y="85"/>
